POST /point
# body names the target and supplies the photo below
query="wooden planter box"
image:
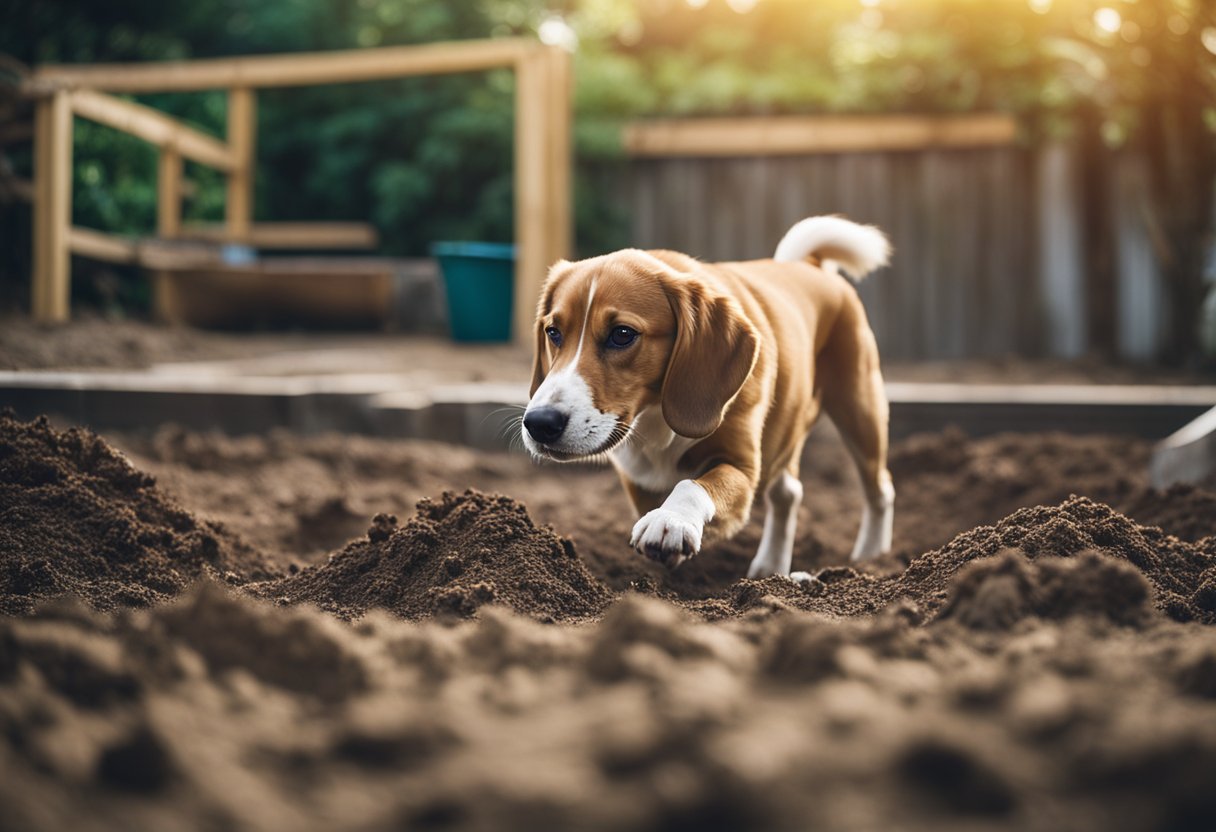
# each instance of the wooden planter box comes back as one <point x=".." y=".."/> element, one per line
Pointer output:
<point x="339" y="292"/>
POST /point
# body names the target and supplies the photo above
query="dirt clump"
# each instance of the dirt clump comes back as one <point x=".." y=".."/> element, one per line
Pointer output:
<point x="995" y="593"/>
<point x="1185" y="511"/>
<point x="453" y="557"/>
<point x="77" y="518"/>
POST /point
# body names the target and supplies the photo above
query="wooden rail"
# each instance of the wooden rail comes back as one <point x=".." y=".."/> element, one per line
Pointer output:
<point x="542" y="150"/>
<point x="301" y="69"/>
<point x="100" y="246"/>
<point x="344" y="235"/>
<point x="786" y="135"/>
<point x="154" y="127"/>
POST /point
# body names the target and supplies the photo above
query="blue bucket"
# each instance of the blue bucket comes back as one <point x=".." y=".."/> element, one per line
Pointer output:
<point x="479" y="279"/>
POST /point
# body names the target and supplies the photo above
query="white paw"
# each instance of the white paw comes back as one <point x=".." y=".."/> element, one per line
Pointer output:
<point x="667" y="536"/>
<point x="802" y="577"/>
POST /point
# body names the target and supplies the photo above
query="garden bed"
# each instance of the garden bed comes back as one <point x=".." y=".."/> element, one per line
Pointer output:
<point x="176" y="645"/>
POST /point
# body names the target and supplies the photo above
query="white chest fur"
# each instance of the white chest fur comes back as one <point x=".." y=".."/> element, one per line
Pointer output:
<point x="651" y="455"/>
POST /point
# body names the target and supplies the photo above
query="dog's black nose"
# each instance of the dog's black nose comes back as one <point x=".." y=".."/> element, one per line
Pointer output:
<point x="545" y="423"/>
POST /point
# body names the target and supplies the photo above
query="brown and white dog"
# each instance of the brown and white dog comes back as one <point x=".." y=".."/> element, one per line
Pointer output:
<point x="701" y="381"/>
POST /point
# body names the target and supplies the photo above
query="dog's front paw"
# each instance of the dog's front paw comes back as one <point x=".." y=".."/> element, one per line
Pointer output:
<point x="667" y="536"/>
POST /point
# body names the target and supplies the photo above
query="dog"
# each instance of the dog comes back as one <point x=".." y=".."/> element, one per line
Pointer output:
<point x="701" y="381"/>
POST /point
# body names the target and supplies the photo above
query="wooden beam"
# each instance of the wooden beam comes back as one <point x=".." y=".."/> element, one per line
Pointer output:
<point x="242" y="129"/>
<point x="559" y="111"/>
<point x="302" y="235"/>
<point x="148" y="253"/>
<point x="532" y="189"/>
<point x="100" y="246"/>
<point x="152" y="126"/>
<point x="169" y="193"/>
<point x="790" y="135"/>
<point x="51" y="293"/>
<point x="41" y="254"/>
<point x="299" y="69"/>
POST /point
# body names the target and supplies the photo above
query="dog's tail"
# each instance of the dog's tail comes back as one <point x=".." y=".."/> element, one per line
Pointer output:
<point x="859" y="249"/>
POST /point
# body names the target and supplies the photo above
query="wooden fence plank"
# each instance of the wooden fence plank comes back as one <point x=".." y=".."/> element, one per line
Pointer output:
<point x="760" y="136"/>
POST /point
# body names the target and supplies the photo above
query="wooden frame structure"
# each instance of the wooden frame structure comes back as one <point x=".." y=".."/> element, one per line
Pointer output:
<point x="542" y="151"/>
<point x="799" y="135"/>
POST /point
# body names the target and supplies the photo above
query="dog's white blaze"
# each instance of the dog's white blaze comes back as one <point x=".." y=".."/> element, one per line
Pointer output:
<point x="588" y="428"/>
<point x="582" y="335"/>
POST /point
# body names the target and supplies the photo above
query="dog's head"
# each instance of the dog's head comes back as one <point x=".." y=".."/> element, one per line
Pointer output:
<point x="622" y="332"/>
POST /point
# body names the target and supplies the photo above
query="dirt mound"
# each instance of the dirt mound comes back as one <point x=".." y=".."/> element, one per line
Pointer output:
<point x="453" y="557"/>
<point x="1129" y="563"/>
<point x="1175" y="569"/>
<point x="77" y="518"/>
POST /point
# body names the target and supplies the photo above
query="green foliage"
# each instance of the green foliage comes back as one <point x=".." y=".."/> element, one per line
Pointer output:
<point x="429" y="158"/>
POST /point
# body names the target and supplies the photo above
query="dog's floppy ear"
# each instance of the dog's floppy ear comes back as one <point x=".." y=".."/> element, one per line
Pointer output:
<point x="540" y="351"/>
<point x="714" y="352"/>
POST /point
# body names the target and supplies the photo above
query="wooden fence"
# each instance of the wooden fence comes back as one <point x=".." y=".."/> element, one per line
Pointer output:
<point x="990" y="255"/>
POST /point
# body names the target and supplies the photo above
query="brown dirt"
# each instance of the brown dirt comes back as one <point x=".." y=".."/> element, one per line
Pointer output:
<point x="90" y="341"/>
<point x="299" y="498"/>
<point x="77" y="518"/>
<point x="452" y="558"/>
<point x="217" y="710"/>
<point x="1051" y="669"/>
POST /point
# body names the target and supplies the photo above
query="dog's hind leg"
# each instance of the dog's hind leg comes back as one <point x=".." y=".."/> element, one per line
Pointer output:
<point x="854" y="398"/>
<point x="781" y="501"/>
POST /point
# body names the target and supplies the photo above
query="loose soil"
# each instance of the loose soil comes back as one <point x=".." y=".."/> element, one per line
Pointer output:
<point x="77" y="518"/>
<point x="453" y="557"/>
<point x="1027" y="658"/>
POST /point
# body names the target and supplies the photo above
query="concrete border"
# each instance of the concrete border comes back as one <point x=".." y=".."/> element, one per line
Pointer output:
<point x="479" y="414"/>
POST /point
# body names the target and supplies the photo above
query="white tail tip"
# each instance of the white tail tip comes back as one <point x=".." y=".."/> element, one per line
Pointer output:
<point x="859" y="249"/>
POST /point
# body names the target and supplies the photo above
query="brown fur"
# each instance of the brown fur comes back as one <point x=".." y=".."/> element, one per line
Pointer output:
<point x="739" y="355"/>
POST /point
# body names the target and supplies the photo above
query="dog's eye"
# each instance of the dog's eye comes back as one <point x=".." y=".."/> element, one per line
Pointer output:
<point x="554" y="334"/>
<point x="621" y="337"/>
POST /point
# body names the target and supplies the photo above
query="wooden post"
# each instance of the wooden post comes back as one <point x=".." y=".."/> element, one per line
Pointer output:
<point x="42" y="179"/>
<point x="542" y="176"/>
<point x="169" y="193"/>
<point x="558" y="101"/>
<point x="51" y="295"/>
<point x="242" y="123"/>
<point x="530" y="192"/>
